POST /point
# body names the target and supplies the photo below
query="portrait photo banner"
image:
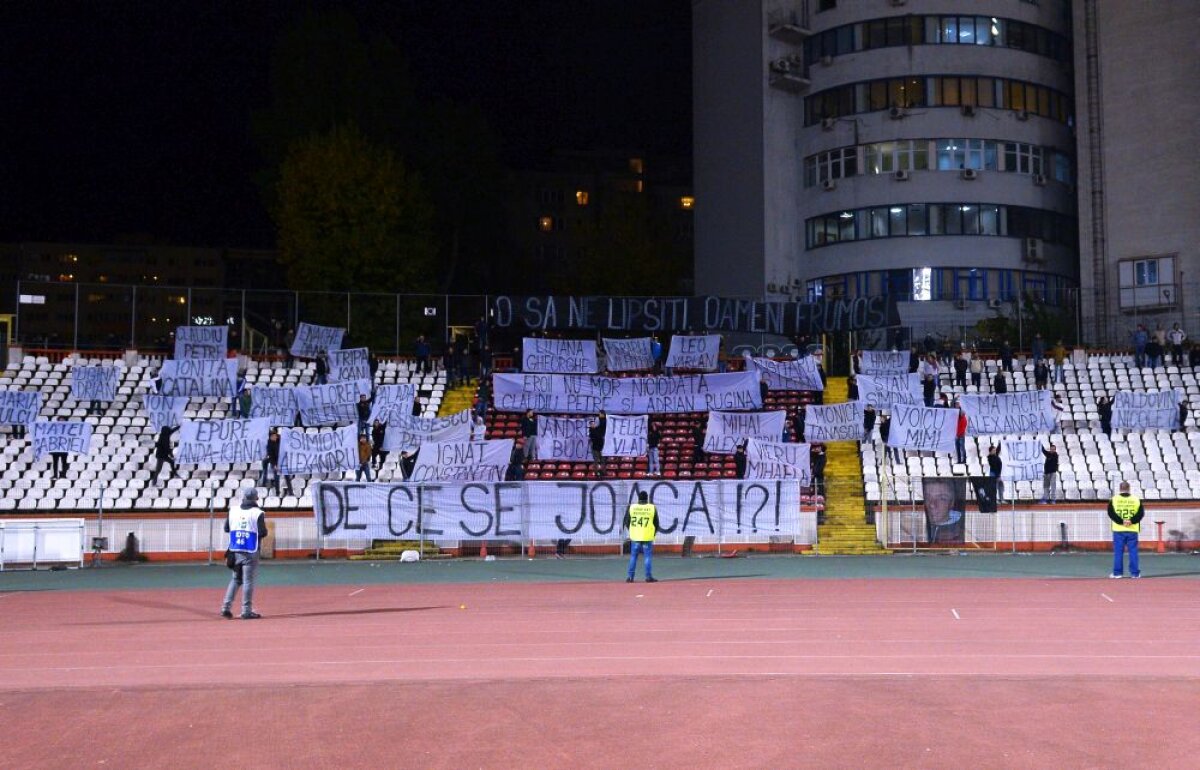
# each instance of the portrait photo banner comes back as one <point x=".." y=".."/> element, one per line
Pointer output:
<point x="1028" y="411"/>
<point x="1022" y="460"/>
<point x="777" y="460"/>
<point x="164" y="411"/>
<point x="550" y="356"/>
<point x="463" y="461"/>
<point x="95" y="383"/>
<point x="885" y="391"/>
<point x="278" y="405"/>
<point x="834" y="422"/>
<point x="699" y="352"/>
<point x="563" y="438"/>
<point x="577" y="394"/>
<point x="791" y="374"/>
<point x="214" y="442"/>
<point x="549" y="510"/>
<point x="628" y="355"/>
<point x="210" y="342"/>
<point x="198" y="377"/>
<point x="393" y="402"/>
<point x="19" y="407"/>
<point x="728" y="429"/>
<point x="324" y="451"/>
<point x="923" y="428"/>
<point x="625" y="435"/>
<point x="1152" y="410"/>
<point x="349" y="364"/>
<point x="312" y="339"/>
<point x="74" y="438"/>
<point x="406" y="433"/>
<point x="332" y="404"/>
<point x="883" y="362"/>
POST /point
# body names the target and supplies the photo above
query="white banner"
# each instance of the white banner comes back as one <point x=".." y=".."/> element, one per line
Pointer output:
<point x="326" y="451"/>
<point x="1156" y="409"/>
<point x="628" y="355"/>
<point x="1028" y="411"/>
<point x="71" y="437"/>
<point x="210" y="342"/>
<point x="886" y="391"/>
<point x="698" y="352"/>
<point x="923" y="428"/>
<point x="563" y="438"/>
<point x="349" y="364"/>
<point x="164" y="411"/>
<point x="275" y="404"/>
<point x="312" y="339"/>
<point x="393" y="402"/>
<point x="776" y="460"/>
<point x="576" y="394"/>
<point x="834" y="422"/>
<point x="406" y="433"/>
<point x="542" y="355"/>
<point x="625" y="435"/>
<point x="792" y="374"/>
<point x="1022" y="461"/>
<point x="463" y="461"/>
<point x="727" y="429"/>
<point x="95" y="382"/>
<point x="198" y="377"/>
<point x="550" y="510"/>
<point x="333" y="404"/>
<point x="883" y="362"/>
<point x="215" y="442"/>
<point x="19" y="407"/>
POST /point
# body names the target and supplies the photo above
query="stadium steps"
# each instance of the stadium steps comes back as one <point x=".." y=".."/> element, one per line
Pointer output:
<point x="390" y="550"/>
<point x="456" y="400"/>
<point x="845" y="530"/>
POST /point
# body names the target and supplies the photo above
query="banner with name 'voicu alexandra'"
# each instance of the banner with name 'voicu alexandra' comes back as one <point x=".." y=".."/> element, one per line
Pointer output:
<point x="581" y="394"/>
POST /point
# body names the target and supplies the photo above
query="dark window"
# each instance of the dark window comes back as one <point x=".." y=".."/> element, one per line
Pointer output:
<point x="826" y="5"/>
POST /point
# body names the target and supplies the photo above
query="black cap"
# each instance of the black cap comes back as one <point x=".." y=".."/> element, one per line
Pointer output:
<point x="643" y="497"/>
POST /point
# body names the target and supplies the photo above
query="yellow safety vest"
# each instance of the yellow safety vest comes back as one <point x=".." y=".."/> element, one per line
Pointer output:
<point x="1125" y="506"/>
<point x="641" y="522"/>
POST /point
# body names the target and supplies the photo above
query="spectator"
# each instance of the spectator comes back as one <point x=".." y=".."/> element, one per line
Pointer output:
<point x="485" y="397"/>
<point x="1160" y="336"/>
<point x="322" y="368"/>
<point x="422" y="351"/>
<point x="995" y="469"/>
<point x="1104" y="408"/>
<point x="364" y="458"/>
<point x="163" y="453"/>
<point x="373" y="367"/>
<point x="960" y="436"/>
<point x="1125" y="512"/>
<point x="529" y="430"/>
<point x="960" y="370"/>
<point x="596" y="437"/>
<point x="378" y="453"/>
<point x="1058" y="354"/>
<point x="914" y="361"/>
<point x="290" y="339"/>
<point x="1194" y="356"/>
<point x="516" y="470"/>
<point x="58" y="461"/>
<point x="698" y="454"/>
<point x="653" y="438"/>
<point x="868" y="422"/>
<point x="1154" y="353"/>
<point x="1039" y="348"/>
<point x="929" y="370"/>
<point x="363" y="409"/>
<point x="408" y="463"/>
<point x="1041" y="375"/>
<point x="739" y="459"/>
<point x="271" y="460"/>
<point x="798" y="421"/>
<point x="656" y="352"/>
<point x="485" y="363"/>
<point x="247" y="526"/>
<point x="852" y="388"/>
<point x="763" y="389"/>
<point x="1140" y="338"/>
<point x="417" y="407"/>
<point x="885" y="430"/>
<point x="1050" y="475"/>
<point x="999" y="383"/>
<point x="817" y="466"/>
<point x="976" y="371"/>
<point x="1176" y="337"/>
<point x="449" y="366"/>
<point x="245" y="400"/>
<point x="1006" y="357"/>
<point x="478" y="428"/>
<point x="1184" y="406"/>
<point x="461" y="345"/>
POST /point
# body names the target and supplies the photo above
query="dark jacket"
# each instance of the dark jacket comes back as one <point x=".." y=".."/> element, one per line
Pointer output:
<point x="1051" y="464"/>
<point x="162" y="445"/>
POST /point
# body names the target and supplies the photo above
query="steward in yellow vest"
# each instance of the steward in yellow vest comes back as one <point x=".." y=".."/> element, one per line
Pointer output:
<point x="1125" y="513"/>
<point x="642" y="522"/>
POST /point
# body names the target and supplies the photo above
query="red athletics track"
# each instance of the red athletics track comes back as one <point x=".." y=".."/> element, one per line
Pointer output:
<point x="696" y="673"/>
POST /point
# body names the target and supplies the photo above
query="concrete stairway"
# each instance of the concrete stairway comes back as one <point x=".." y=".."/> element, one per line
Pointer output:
<point x="845" y="530"/>
<point x="458" y="399"/>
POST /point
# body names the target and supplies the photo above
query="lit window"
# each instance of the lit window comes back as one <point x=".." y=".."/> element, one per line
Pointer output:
<point x="636" y="165"/>
<point x="687" y="202"/>
<point x="922" y="284"/>
<point x="546" y="224"/>
<point x="581" y="197"/>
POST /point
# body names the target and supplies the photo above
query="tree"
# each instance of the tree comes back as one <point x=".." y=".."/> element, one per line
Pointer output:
<point x="351" y="217"/>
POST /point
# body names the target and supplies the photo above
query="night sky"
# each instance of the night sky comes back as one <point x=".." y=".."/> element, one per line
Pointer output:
<point x="134" y="117"/>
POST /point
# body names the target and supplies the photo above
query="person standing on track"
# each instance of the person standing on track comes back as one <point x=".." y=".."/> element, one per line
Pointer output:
<point x="247" y="526"/>
<point x="642" y="522"/>
<point x="1125" y="512"/>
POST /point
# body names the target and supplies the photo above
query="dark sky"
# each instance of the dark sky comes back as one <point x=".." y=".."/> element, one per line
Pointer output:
<point x="134" y="117"/>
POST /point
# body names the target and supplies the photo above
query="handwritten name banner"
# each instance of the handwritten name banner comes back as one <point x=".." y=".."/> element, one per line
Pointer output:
<point x="728" y="429"/>
<point x="70" y="437"/>
<point x="549" y="510"/>
<point x="393" y="402"/>
<point x="628" y="355"/>
<point x="835" y="422"/>
<point x="664" y="314"/>
<point x="463" y="461"/>
<point x="332" y="404"/>
<point x="201" y="342"/>
<point x="349" y="364"/>
<point x="328" y="451"/>
<point x="888" y="390"/>
<point x="563" y="438"/>
<point x="19" y="407"/>
<point x="164" y="411"/>
<point x="312" y="339"/>
<point x="923" y="428"/>
<point x="792" y="374"/>
<point x="95" y="383"/>
<point x="694" y="352"/>
<point x="542" y="355"/>
<point x="776" y="460"/>
<point x="406" y="433"/>
<point x="210" y="442"/>
<point x="883" y="362"/>
<point x="275" y="404"/>
<point x="625" y="435"/>
<point x="198" y="377"/>
<point x="1157" y="409"/>
<point x="575" y="394"/>
<point x="1007" y="413"/>
<point x="1022" y="461"/>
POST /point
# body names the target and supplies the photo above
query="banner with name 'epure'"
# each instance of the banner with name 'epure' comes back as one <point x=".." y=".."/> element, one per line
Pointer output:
<point x="580" y="394"/>
<point x="552" y="356"/>
<point x="214" y="442"/>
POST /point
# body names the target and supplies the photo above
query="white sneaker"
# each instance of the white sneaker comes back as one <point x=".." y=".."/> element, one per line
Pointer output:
<point x="1116" y="577"/>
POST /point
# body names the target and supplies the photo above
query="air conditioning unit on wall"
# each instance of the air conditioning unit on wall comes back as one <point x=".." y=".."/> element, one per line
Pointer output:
<point x="900" y="176"/>
<point x="1034" y="250"/>
<point x="969" y="174"/>
<point x="828" y="185"/>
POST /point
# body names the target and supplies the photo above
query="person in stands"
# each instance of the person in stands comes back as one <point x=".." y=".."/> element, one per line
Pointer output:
<point x="378" y="453"/>
<point x="163" y="453"/>
<point x="1050" y="474"/>
<point x="653" y="439"/>
<point x="1176" y="337"/>
<point x="1104" y="410"/>
<point x="529" y="431"/>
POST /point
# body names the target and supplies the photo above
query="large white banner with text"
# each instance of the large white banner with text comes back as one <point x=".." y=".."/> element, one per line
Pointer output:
<point x="1028" y="411"/>
<point x="792" y="374"/>
<point x="198" y="377"/>
<point x="332" y="404"/>
<point x="406" y="433"/>
<point x="628" y="355"/>
<point x="58" y="436"/>
<point x="884" y="362"/>
<point x="1022" y="461"/>
<point x="576" y="394"/>
<point x="463" y="461"/>
<point x="698" y="352"/>
<point x="275" y="404"/>
<point x="923" y="428"/>
<point x="327" y="451"/>
<point x="625" y="435"/>
<point x="95" y="383"/>
<point x="164" y="411"/>
<point x="393" y="402"/>
<point x="542" y="355"/>
<point x="211" y="342"/>
<point x="349" y="364"/>
<point x="728" y="429"/>
<point x="213" y="442"/>
<point x="888" y="390"/>
<point x="563" y="438"/>
<point x="777" y="460"/>
<point x="19" y="407"/>
<point x="1153" y="410"/>
<point x="834" y="422"/>
<point x="312" y="339"/>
